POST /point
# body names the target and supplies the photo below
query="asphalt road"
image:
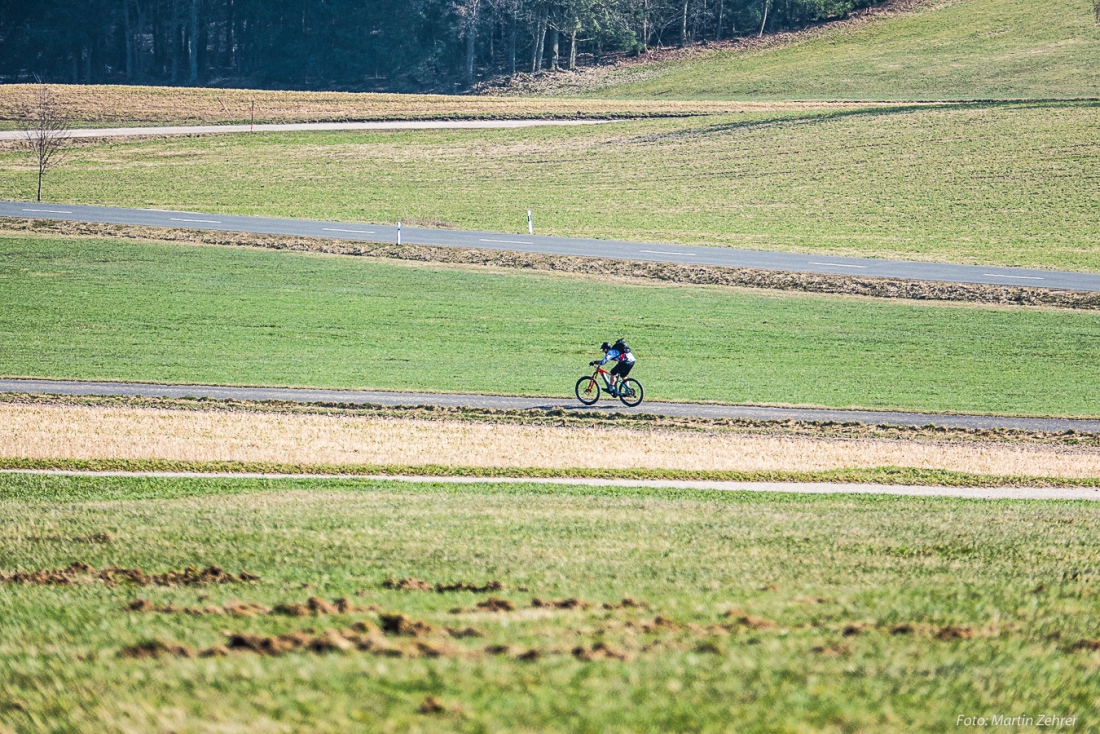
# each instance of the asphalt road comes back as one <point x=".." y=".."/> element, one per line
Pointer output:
<point x="129" y="132"/>
<point x="681" y="410"/>
<point x="681" y="254"/>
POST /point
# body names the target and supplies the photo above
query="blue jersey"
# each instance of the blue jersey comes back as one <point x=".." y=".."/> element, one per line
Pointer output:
<point x="615" y="354"/>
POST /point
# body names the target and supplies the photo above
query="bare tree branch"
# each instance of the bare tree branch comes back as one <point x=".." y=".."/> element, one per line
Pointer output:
<point x="45" y="130"/>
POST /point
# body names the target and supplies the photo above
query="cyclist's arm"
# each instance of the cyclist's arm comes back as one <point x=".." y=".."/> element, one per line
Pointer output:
<point x="613" y="354"/>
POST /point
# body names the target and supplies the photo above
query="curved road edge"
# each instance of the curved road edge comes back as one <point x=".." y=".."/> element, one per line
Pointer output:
<point x="500" y="402"/>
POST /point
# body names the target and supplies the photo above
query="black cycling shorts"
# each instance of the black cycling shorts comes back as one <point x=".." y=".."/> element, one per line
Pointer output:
<point x="622" y="369"/>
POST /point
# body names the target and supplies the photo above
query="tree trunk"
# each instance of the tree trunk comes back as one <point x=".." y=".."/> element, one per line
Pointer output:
<point x="471" y="52"/>
<point x="764" y="21"/>
<point x="573" y="49"/>
<point x="718" y="30"/>
<point x="512" y="42"/>
<point x="554" y="48"/>
<point x="193" y="43"/>
<point x="540" y="39"/>
<point x="40" y="184"/>
<point x="684" y="25"/>
<point x="129" y="40"/>
<point x="645" y="26"/>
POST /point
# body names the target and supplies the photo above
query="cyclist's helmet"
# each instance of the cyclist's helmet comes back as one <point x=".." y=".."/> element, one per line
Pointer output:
<point x="605" y="347"/>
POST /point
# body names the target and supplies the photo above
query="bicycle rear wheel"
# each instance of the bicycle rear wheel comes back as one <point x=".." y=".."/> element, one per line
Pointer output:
<point x="631" y="392"/>
<point x="587" y="390"/>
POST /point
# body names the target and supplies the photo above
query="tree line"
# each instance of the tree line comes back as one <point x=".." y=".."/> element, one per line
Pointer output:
<point x="397" y="45"/>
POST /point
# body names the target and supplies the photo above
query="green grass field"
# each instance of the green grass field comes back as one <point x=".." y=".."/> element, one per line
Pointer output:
<point x="954" y="49"/>
<point x="990" y="184"/>
<point x="99" y="308"/>
<point x="994" y="598"/>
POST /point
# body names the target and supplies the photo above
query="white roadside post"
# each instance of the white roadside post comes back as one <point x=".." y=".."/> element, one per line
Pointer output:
<point x="399" y="233"/>
<point x="530" y="223"/>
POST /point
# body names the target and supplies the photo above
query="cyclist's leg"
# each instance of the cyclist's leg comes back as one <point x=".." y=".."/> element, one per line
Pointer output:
<point x="623" y="369"/>
<point x="618" y="372"/>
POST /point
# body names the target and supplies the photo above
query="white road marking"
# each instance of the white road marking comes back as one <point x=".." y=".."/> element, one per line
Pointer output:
<point x="204" y="221"/>
<point x="1017" y="277"/>
<point x="508" y="242"/>
<point x="350" y="231"/>
<point x="839" y="265"/>
<point x="662" y="252"/>
<point x="50" y="211"/>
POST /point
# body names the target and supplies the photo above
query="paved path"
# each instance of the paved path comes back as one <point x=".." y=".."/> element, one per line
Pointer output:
<point x="681" y="410"/>
<point x="977" y="493"/>
<point x="127" y="132"/>
<point x="686" y="255"/>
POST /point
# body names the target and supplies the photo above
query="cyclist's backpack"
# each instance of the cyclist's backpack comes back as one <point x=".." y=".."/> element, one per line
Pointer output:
<point x="622" y="347"/>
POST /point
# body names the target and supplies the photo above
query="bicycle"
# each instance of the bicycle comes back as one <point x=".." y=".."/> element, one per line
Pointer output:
<point x="588" y="389"/>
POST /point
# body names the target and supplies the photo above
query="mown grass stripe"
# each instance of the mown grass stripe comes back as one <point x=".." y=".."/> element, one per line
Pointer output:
<point x="876" y="475"/>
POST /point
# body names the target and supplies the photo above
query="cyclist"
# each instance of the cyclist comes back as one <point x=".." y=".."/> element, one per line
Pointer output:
<point x="624" y="358"/>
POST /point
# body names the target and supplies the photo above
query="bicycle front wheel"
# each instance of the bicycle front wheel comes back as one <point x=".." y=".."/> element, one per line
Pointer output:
<point x="588" y="390"/>
<point x="630" y="392"/>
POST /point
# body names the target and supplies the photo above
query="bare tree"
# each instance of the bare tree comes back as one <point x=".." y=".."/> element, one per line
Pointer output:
<point x="45" y="130"/>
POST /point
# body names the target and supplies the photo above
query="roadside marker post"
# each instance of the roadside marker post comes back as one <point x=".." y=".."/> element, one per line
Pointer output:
<point x="252" y="117"/>
<point x="399" y="233"/>
<point x="530" y="223"/>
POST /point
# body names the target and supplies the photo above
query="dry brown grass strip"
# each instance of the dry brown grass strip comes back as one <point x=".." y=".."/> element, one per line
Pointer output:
<point x="100" y="432"/>
<point x="576" y="417"/>
<point x="178" y="105"/>
<point x="602" y="268"/>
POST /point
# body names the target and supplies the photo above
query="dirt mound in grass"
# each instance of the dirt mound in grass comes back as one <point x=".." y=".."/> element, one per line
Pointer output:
<point x="400" y="624"/>
<point x="751" y="622"/>
<point x="627" y="603"/>
<point x="362" y="637"/>
<point x="74" y="573"/>
<point x="415" y="584"/>
<point x="1093" y="645"/>
<point x="316" y="607"/>
<point x="79" y="572"/>
<point x="945" y="633"/>
<point x="598" y="651"/>
<point x="464" y="632"/>
<point x="156" y="649"/>
<point x="409" y="584"/>
<point x="232" y="608"/>
<point x="494" y="604"/>
<point x="570" y="603"/>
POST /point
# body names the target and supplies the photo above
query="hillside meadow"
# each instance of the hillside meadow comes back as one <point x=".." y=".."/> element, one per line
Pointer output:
<point x="930" y="50"/>
<point x="986" y="183"/>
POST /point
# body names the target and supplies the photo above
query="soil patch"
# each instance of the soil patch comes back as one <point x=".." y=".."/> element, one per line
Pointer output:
<point x="751" y="622"/>
<point x="79" y="573"/>
<point x="156" y="649"/>
<point x="494" y="604"/>
<point x="570" y="603"/>
<point x="415" y="584"/>
<point x="598" y="651"/>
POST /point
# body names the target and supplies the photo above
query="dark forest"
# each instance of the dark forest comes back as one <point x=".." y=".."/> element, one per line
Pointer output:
<point x="362" y="45"/>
